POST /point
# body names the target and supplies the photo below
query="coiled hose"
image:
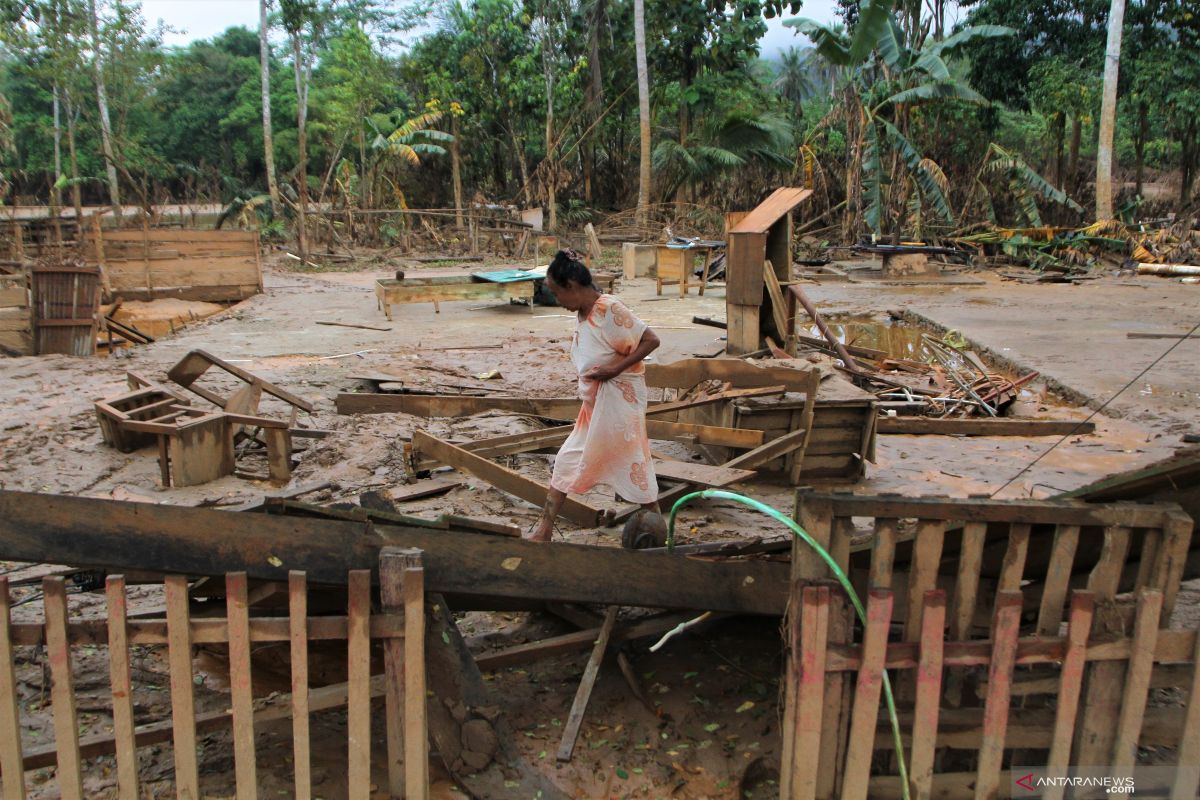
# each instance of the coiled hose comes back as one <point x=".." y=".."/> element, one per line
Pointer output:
<point x="800" y="533"/>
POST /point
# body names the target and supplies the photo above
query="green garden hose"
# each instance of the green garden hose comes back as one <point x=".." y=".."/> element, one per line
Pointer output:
<point x="897" y="742"/>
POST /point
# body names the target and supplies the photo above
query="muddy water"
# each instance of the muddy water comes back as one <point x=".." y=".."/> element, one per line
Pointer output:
<point x="897" y="339"/>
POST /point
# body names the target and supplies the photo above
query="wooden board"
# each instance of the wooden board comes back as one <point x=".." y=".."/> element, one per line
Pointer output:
<point x="454" y="405"/>
<point x="703" y="474"/>
<point x="982" y="427"/>
<point x="116" y="535"/>
<point x="688" y="372"/>
<point x="769" y="211"/>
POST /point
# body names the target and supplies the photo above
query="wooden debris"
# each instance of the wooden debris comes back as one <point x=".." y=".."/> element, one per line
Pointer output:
<point x="584" y="693"/>
<point x="353" y="325"/>
<point x="915" y="426"/>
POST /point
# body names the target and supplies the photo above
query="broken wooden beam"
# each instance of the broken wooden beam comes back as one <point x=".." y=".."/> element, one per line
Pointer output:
<point x="584" y="693"/>
<point x="917" y="426"/>
<point x="504" y="479"/>
<point x="89" y="532"/>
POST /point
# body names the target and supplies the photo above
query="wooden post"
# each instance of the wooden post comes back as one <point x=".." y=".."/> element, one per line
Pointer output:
<point x="809" y="688"/>
<point x="1187" y="778"/>
<point x="1005" y="630"/>
<point x="12" y="768"/>
<point x="122" y="690"/>
<point x="241" y="685"/>
<point x="183" y="705"/>
<point x="62" y="689"/>
<point x="402" y="591"/>
<point x="1058" y="578"/>
<point x="298" y="639"/>
<point x="1137" y="683"/>
<point x="358" y="722"/>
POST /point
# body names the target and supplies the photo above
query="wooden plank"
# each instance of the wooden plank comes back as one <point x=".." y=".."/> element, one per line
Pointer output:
<point x="520" y="654"/>
<point x="62" y="689"/>
<point x="1015" y="554"/>
<point x="116" y="535"/>
<point x="12" y="774"/>
<point x="927" y="555"/>
<point x="1137" y="682"/>
<point x="815" y="515"/>
<point x="454" y="405"/>
<point x="688" y="372"/>
<point x="1005" y="630"/>
<point x="929" y="691"/>
<point x="835" y="731"/>
<point x="865" y="715"/>
<point x="1187" y="779"/>
<point x="195" y="363"/>
<point x="917" y="426"/>
<point x="503" y="478"/>
<point x="770" y="450"/>
<point x="183" y="706"/>
<point x="769" y="211"/>
<point x="779" y="306"/>
<point x="122" y="689"/>
<point x="590" y="672"/>
<point x="806" y="752"/>
<point x="744" y="334"/>
<point x="1045" y="512"/>
<point x="416" y="732"/>
<point x="1083" y="606"/>
<point x="241" y="687"/>
<point x="712" y="435"/>
<point x="883" y="553"/>
<point x="358" y="675"/>
<point x="424" y="488"/>
<point x="703" y="474"/>
<point x="1058" y="578"/>
<point x="298" y="646"/>
<point x="966" y="586"/>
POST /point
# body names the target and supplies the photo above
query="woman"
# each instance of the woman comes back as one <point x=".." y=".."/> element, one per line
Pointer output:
<point x="609" y="444"/>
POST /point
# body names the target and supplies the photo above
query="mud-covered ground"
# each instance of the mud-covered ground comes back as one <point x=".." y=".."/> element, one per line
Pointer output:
<point x="715" y="690"/>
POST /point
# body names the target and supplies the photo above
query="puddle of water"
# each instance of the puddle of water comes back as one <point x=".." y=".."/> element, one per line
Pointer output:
<point x="896" y="339"/>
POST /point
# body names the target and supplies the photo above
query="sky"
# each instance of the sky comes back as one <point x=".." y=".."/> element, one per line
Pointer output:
<point x="203" y="19"/>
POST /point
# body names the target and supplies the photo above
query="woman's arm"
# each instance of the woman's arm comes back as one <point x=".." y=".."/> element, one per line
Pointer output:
<point x="647" y="345"/>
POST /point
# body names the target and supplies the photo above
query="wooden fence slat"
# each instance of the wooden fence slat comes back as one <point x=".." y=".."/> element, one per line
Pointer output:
<point x="1005" y="630"/>
<point x="1095" y="733"/>
<point x="1187" y="778"/>
<point x="839" y="541"/>
<point x="1148" y="559"/>
<point x="416" y="729"/>
<point x="817" y="520"/>
<point x="810" y="691"/>
<point x="865" y="715"/>
<point x="1137" y="678"/>
<point x="402" y="591"/>
<point x="298" y="636"/>
<point x="1177" y="538"/>
<point x="241" y="687"/>
<point x="927" y="555"/>
<point x="122" y="688"/>
<point x="793" y="619"/>
<point x="1013" y="566"/>
<point x="183" y="703"/>
<point x="929" y="692"/>
<point x="12" y="770"/>
<point x="1079" y="627"/>
<point x="883" y="553"/>
<point x="62" y="689"/>
<point x="358" y="722"/>
<point x="1058" y="580"/>
<point x="835" y="734"/>
<point x="966" y="586"/>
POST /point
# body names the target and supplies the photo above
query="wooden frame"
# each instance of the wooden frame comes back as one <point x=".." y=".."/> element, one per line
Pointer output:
<point x="442" y="289"/>
<point x="400" y="626"/>
<point x="963" y="567"/>
<point x="673" y="265"/>
<point x="197" y="362"/>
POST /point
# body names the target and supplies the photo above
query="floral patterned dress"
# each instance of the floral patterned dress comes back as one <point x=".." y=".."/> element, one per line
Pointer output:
<point x="609" y="445"/>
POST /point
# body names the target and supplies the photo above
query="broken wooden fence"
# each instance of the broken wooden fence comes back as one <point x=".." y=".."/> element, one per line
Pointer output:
<point x="400" y="627"/>
<point x="978" y="592"/>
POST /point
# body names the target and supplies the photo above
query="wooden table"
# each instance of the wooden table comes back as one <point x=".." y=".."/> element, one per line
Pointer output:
<point x="674" y="265"/>
<point x="445" y="288"/>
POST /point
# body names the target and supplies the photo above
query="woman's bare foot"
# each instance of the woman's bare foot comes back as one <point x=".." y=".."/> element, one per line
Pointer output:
<point x="540" y="532"/>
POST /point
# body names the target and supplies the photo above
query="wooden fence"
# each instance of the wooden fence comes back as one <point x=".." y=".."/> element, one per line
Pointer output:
<point x="400" y="626"/>
<point x="966" y="602"/>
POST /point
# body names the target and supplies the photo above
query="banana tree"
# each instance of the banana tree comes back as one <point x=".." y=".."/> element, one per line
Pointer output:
<point x="889" y="79"/>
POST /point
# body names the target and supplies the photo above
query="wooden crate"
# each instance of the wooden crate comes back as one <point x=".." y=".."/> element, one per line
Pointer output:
<point x="65" y="306"/>
<point x="141" y="405"/>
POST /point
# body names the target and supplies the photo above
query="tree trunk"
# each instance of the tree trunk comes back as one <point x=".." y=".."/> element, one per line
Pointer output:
<point x="1108" y="112"/>
<point x="1073" y="155"/>
<point x="106" y="145"/>
<point x="854" y="135"/>
<point x="264" y="55"/>
<point x="1189" y="146"/>
<point x="551" y="171"/>
<point x="55" y="189"/>
<point x="302" y="148"/>
<point x="595" y="96"/>
<point x="1139" y="146"/>
<point x="643" y="81"/>
<point x="73" y="157"/>
<point x="456" y="172"/>
<point x="1056" y="158"/>
<point x="684" y="82"/>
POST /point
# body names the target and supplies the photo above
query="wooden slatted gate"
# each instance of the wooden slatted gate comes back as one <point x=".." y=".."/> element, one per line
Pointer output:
<point x="399" y="626"/>
<point x="1005" y="628"/>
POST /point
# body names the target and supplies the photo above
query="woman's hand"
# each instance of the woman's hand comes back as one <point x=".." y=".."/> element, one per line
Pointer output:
<point x="601" y="374"/>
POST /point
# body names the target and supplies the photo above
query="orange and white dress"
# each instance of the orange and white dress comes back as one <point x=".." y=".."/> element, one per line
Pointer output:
<point x="609" y="445"/>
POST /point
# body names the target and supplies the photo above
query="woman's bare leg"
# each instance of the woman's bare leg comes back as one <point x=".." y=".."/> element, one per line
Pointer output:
<point x="545" y="525"/>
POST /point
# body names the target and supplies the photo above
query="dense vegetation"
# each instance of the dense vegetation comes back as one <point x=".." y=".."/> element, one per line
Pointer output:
<point x="901" y="125"/>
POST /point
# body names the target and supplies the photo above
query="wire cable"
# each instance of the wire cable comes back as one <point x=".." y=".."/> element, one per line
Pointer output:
<point x="1103" y="406"/>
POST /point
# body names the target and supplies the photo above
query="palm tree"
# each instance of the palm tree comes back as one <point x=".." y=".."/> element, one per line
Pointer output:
<point x="404" y="147"/>
<point x="793" y="82"/>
